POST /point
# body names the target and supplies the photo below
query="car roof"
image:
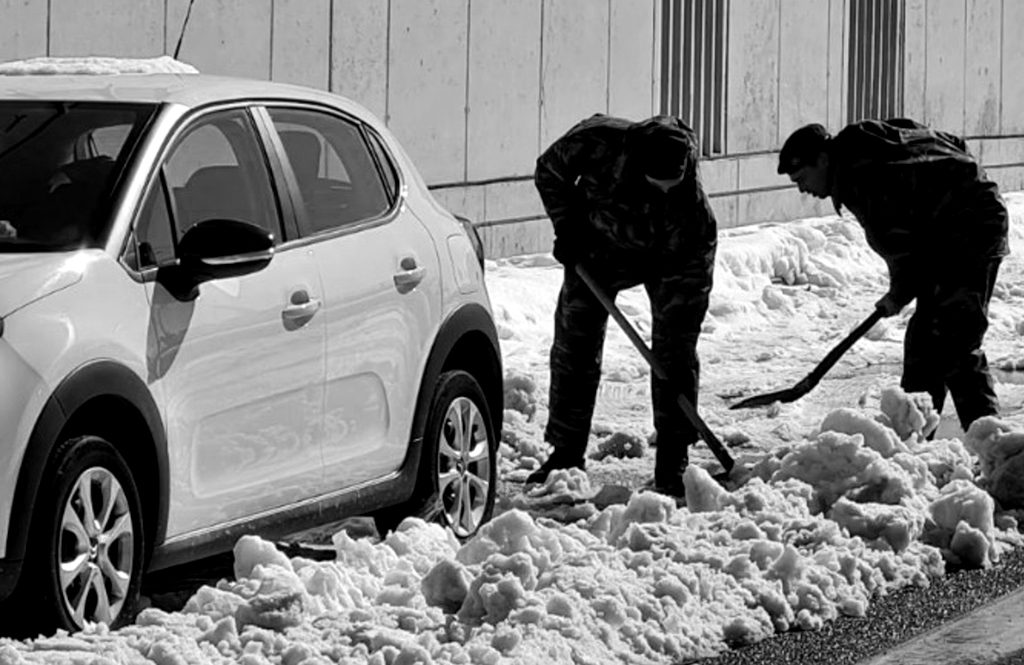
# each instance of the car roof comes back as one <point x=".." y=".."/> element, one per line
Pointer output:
<point x="190" y="90"/>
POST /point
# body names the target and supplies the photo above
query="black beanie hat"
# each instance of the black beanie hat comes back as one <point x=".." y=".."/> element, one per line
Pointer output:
<point x="802" y="147"/>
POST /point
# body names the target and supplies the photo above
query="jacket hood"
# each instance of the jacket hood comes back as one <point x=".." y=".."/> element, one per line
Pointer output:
<point x="662" y="140"/>
<point x="26" y="278"/>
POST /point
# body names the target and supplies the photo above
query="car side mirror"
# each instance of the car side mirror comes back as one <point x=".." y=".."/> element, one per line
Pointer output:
<point x="216" y="249"/>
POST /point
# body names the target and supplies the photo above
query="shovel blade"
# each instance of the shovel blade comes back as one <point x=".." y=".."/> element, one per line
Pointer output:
<point x="787" y="395"/>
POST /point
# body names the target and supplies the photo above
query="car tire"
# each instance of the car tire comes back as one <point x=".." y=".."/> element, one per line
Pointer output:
<point x="87" y="547"/>
<point x="457" y="479"/>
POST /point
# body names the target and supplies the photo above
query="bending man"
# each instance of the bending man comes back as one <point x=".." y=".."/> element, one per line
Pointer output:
<point x="927" y="208"/>
<point x="626" y="202"/>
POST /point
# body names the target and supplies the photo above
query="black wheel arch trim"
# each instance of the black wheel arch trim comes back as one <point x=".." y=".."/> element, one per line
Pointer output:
<point x="102" y="378"/>
<point x="469" y="318"/>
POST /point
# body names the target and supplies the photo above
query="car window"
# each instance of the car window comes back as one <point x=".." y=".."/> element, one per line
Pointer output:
<point x="59" y="165"/>
<point x="387" y="166"/>
<point x="338" y="180"/>
<point x="217" y="170"/>
<point x="154" y="238"/>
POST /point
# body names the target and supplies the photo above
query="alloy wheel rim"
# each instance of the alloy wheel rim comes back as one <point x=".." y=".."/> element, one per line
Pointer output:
<point x="95" y="548"/>
<point x="464" y="466"/>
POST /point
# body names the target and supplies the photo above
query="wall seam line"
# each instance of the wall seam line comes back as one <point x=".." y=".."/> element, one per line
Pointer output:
<point x="778" y="76"/>
<point x="963" y="77"/>
<point x="330" y="45"/>
<point x="608" y="64"/>
<point x="1002" y="45"/>
<point x="465" y="110"/>
<point x="387" y="67"/>
<point x="540" y="86"/>
<point x="270" y="59"/>
<point x="49" y="26"/>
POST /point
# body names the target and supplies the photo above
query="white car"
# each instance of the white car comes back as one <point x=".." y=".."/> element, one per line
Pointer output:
<point x="227" y="307"/>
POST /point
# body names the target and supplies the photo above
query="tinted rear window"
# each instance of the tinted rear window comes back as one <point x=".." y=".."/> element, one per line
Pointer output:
<point x="59" y="165"/>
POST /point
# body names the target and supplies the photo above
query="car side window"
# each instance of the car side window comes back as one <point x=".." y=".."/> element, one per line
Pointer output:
<point x="387" y="166"/>
<point x="338" y="179"/>
<point x="217" y="170"/>
<point x="154" y="239"/>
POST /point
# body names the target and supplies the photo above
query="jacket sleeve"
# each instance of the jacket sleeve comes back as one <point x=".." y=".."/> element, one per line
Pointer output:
<point x="892" y="215"/>
<point x="696" y="265"/>
<point x="556" y="173"/>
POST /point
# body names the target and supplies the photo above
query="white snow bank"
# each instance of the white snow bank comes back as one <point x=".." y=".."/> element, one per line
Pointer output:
<point x="164" y="64"/>
<point x="821" y="528"/>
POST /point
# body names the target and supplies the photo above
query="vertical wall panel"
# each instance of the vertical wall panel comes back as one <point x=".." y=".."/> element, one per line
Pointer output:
<point x="359" y="52"/>
<point x="302" y="33"/>
<point x="1013" y="65"/>
<point x="574" y="65"/>
<point x="914" y="59"/>
<point x="944" y="73"/>
<point x="836" y="58"/>
<point x="984" y="42"/>
<point x="123" y="28"/>
<point x="803" y="64"/>
<point x="631" y="67"/>
<point x="427" y="84"/>
<point x="753" y="76"/>
<point x="228" y="37"/>
<point x="22" y="30"/>
<point x="504" y="88"/>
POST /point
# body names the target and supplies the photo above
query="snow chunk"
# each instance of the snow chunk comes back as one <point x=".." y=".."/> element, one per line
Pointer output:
<point x="877" y="436"/>
<point x="48" y="66"/>
<point x="908" y="413"/>
<point x="1001" y="453"/>
<point x="896" y="525"/>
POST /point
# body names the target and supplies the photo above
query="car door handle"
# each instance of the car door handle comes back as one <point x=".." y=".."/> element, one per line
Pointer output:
<point x="302" y="307"/>
<point x="410" y="275"/>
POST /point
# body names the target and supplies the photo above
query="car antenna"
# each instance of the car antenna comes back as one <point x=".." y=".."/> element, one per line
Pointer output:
<point x="184" y="24"/>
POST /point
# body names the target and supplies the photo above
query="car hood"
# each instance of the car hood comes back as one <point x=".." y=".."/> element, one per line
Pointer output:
<point x="25" y="278"/>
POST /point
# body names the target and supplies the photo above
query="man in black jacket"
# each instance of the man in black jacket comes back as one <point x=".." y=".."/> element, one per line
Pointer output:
<point x="626" y="201"/>
<point x="927" y="209"/>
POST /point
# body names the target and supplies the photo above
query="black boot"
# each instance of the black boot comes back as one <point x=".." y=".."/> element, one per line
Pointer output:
<point x="560" y="458"/>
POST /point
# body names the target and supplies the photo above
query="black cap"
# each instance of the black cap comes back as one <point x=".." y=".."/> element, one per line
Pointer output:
<point x="802" y="147"/>
<point x="664" y="154"/>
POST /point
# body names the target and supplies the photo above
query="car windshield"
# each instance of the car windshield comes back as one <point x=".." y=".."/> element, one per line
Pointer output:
<point x="59" y="165"/>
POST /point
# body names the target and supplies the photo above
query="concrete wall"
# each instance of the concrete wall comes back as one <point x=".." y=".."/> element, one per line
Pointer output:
<point x="476" y="89"/>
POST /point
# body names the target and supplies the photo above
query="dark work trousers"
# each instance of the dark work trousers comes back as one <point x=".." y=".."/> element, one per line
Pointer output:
<point x="942" y="348"/>
<point x="580" y="324"/>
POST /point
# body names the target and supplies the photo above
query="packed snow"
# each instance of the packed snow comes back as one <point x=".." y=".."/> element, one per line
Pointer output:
<point x="53" y="66"/>
<point x="837" y="498"/>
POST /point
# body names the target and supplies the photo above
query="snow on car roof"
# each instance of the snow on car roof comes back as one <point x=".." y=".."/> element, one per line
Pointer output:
<point x="150" y="80"/>
<point x="94" y="65"/>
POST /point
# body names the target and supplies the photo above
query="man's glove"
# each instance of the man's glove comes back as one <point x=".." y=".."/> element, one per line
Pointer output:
<point x="574" y="241"/>
<point x="891" y="304"/>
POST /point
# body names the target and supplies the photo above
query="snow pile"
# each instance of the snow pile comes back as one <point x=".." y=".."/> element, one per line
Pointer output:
<point x="50" y="66"/>
<point x="822" y="527"/>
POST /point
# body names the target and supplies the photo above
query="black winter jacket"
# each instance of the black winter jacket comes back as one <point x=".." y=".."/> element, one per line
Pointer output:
<point x="593" y="188"/>
<point x="922" y="199"/>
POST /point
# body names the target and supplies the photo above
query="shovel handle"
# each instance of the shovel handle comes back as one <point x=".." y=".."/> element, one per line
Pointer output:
<point x="688" y="409"/>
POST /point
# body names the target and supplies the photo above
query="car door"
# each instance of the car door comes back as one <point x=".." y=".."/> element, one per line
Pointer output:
<point x="380" y="274"/>
<point x="239" y="369"/>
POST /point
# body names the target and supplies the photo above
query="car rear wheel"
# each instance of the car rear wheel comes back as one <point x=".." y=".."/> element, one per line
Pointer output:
<point x="87" y="540"/>
<point x="459" y="467"/>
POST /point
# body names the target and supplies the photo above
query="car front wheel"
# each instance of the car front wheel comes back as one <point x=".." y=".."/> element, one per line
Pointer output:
<point x="88" y="538"/>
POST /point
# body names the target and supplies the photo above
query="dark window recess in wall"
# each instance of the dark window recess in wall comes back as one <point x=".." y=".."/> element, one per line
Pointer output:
<point x="875" y="59"/>
<point x="694" y="44"/>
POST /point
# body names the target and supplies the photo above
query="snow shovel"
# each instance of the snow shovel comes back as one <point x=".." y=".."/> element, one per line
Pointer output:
<point x="688" y="409"/>
<point x="808" y="382"/>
